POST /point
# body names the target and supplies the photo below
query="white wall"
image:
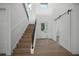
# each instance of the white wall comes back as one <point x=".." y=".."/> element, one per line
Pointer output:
<point x="75" y="29"/>
<point x="58" y="9"/>
<point x="13" y="22"/>
<point x="5" y="29"/>
<point x="19" y="23"/>
<point x="31" y="13"/>
<point x="63" y="26"/>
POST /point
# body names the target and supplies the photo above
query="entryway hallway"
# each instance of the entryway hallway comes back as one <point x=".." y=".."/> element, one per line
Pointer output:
<point x="39" y="29"/>
<point x="44" y="47"/>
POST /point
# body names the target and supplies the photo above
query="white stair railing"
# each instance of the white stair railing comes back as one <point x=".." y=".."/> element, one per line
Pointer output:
<point x="33" y="38"/>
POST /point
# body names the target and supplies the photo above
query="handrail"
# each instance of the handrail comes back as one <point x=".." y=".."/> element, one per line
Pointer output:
<point x="33" y="35"/>
<point x="67" y="12"/>
<point x="26" y="11"/>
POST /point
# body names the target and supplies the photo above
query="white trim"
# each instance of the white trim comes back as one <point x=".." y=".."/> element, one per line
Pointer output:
<point x="2" y="51"/>
<point x="13" y="28"/>
<point x="32" y="51"/>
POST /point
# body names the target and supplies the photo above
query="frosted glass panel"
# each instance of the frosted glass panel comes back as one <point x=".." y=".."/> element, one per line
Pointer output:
<point x="44" y="6"/>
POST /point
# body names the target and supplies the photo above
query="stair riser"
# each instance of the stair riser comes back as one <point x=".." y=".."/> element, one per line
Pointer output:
<point x="21" y="52"/>
<point x="26" y="34"/>
<point x="25" y="37"/>
<point x="25" y="40"/>
<point x="24" y="46"/>
<point x="29" y="30"/>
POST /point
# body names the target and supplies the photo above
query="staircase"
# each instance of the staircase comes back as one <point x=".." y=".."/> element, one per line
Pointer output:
<point x="24" y="45"/>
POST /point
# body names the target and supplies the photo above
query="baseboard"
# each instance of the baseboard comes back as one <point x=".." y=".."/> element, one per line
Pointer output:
<point x="75" y="52"/>
<point x="2" y="51"/>
<point x="53" y="39"/>
<point x="2" y="54"/>
<point x="44" y="38"/>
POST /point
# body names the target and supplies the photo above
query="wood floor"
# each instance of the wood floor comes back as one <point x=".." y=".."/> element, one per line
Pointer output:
<point x="46" y="47"/>
<point x="49" y="47"/>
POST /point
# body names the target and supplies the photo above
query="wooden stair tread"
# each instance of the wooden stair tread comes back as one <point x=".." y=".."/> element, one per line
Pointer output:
<point x="26" y="40"/>
<point x="21" y="51"/>
<point x="21" y="54"/>
<point x="28" y="36"/>
<point x="24" y="44"/>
